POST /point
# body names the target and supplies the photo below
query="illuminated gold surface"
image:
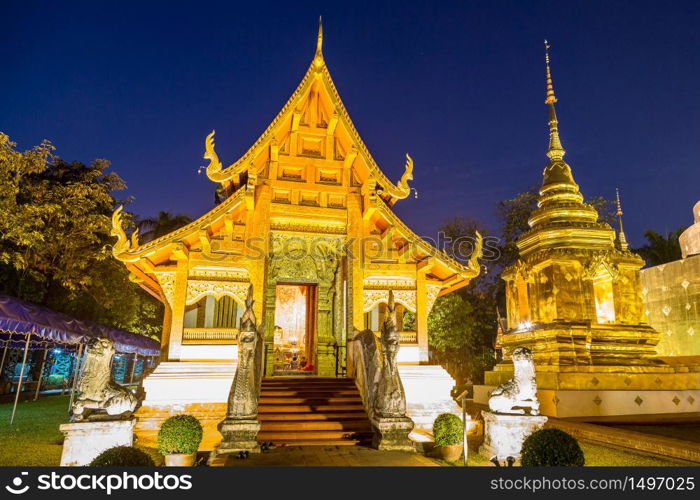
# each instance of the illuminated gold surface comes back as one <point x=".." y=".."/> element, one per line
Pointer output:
<point x="310" y="181"/>
<point x="574" y="296"/>
<point x="672" y="298"/>
<point x="575" y="299"/>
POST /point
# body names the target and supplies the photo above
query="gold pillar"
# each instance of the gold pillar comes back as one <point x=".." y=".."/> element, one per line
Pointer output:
<point x="177" y="320"/>
<point x="165" y="337"/>
<point x="355" y="265"/>
<point x="422" y="316"/>
<point x="258" y="236"/>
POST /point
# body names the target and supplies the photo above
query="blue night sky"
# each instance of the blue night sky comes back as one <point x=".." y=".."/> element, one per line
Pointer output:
<point x="459" y="85"/>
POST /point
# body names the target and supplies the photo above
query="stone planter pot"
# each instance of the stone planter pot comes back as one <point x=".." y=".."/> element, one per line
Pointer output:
<point x="452" y="452"/>
<point x="180" y="460"/>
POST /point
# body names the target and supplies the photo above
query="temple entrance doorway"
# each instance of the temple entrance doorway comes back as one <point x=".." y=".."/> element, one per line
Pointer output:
<point x="294" y="331"/>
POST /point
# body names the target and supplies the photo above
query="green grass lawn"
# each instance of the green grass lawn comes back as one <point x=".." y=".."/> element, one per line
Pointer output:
<point x="598" y="455"/>
<point x="34" y="439"/>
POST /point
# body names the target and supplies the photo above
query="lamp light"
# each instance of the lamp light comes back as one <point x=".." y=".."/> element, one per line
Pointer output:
<point x="525" y="325"/>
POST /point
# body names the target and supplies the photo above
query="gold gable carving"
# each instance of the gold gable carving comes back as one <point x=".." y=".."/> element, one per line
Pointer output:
<point x="371" y="298"/>
<point x="197" y="289"/>
<point x="596" y="262"/>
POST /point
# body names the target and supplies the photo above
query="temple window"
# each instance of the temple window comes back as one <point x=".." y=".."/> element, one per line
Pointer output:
<point x="226" y="313"/>
<point x="209" y="312"/>
<point x="405" y="319"/>
<point x="603" y="294"/>
<point x="375" y="317"/>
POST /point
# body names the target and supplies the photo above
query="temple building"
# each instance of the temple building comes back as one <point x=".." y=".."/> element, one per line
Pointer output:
<point x="574" y="298"/>
<point x="671" y="293"/>
<point x="307" y="219"/>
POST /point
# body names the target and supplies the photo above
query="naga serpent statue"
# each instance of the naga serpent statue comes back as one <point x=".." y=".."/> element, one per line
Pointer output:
<point x="243" y="397"/>
<point x="390" y="398"/>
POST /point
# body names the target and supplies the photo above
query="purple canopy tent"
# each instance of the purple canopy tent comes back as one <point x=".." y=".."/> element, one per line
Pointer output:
<point x="28" y="326"/>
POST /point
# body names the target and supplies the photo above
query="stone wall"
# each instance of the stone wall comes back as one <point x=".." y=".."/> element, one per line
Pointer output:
<point x="672" y="301"/>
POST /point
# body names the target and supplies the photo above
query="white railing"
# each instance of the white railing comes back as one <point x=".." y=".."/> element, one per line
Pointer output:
<point x="406" y="337"/>
<point x="210" y="335"/>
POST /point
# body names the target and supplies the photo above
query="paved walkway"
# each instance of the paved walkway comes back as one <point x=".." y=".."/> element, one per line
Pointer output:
<point x="333" y="456"/>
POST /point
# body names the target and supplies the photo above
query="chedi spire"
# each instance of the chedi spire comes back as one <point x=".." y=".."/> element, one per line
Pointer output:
<point x="556" y="151"/>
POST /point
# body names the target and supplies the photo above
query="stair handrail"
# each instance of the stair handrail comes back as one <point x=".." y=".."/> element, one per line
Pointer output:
<point x="375" y="369"/>
<point x="365" y="367"/>
<point x="376" y="374"/>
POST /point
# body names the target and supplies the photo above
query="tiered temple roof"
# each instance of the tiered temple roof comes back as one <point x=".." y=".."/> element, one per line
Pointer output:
<point x="313" y="127"/>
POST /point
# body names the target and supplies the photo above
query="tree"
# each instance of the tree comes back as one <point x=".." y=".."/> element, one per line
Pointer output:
<point x="56" y="216"/>
<point x="164" y="223"/>
<point x="514" y="213"/>
<point x="456" y="334"/>
<point x="661" y="249"/>
<point x="462" y="324"/>
<point x="607" y="209"/>
<point x="55" y="222"/>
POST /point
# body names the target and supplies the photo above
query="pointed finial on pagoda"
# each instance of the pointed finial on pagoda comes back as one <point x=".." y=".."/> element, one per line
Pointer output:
<point x="551" y="98"/>
<point x="621" y="238"/>
<point x="318" y="58"/>
<point x="556" y="151"/>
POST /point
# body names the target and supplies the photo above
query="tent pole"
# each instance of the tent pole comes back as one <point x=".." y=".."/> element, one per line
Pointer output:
<point x="21" y="376"/>
<point x="133" y="368"/>
<point x="75" y="376"/>
<point x="41" y="374"/>
<point x="4" y="355"/>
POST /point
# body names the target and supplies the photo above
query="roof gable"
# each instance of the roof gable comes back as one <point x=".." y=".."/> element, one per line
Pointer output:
<point x="315" y="110"/>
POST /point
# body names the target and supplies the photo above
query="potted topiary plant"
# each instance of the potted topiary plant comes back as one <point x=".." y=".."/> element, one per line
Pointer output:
<point x="551" y="447"/>
<point x="178" y="440"/>
<point x="449" y="434"/>
<point x="122" y="456"/>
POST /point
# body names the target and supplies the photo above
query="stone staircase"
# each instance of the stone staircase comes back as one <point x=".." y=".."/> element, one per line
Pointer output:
<point x="312" y="411"/>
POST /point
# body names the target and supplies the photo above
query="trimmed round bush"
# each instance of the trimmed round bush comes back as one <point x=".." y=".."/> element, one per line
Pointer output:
<point x="122" y="456"/>
<point x="551" y="447"/>
<point x="448" y="429"/>
<point x="179" y="434"/>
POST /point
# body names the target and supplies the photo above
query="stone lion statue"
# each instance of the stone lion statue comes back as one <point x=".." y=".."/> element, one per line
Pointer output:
<point x="520" y="393"/>
<point x="98" y="394"/>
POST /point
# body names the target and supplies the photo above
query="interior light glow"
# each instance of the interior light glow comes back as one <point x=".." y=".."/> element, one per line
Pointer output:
<point x="525" y="325"/>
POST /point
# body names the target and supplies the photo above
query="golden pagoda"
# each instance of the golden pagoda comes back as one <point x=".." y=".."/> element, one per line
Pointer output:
<point x="574" y="299"/>
<point x="307" y="220"/>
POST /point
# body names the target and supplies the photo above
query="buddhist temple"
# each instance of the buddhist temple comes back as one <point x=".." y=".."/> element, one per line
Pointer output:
<point x="671" y="293"/>
<point x="574" y="299"/>
<point x="307" y="220"/>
